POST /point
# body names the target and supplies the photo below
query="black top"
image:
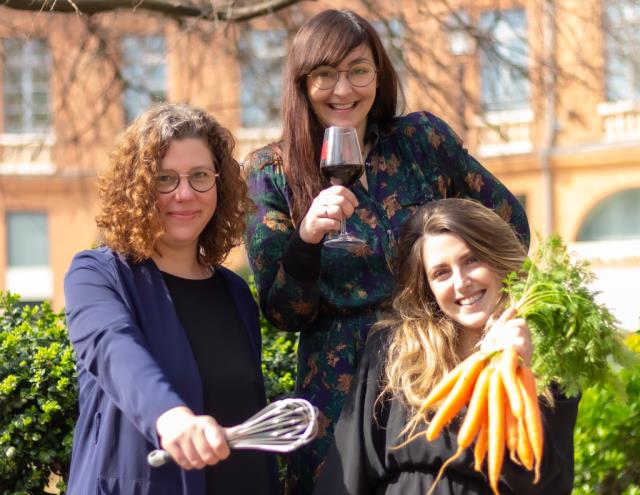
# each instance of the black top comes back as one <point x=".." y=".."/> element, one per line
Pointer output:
<point x="362" y="459"/>
<point x="231" y="382"/>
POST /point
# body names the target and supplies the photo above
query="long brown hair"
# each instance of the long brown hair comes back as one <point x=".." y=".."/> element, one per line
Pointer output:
<point x="423" y="341"/>
<point x="325" y="39"/>
<point x="129" y="221"/>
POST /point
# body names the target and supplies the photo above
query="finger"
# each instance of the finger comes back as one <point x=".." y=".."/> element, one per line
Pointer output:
<point x="204" y="449"/>
<point x="335" y="193"/>
<point x="185" y="454"/>
<point x="218" y="442"/>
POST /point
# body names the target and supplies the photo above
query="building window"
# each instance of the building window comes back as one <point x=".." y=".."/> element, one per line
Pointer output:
<point x="26" y="86"/>
<point x="615" y="218"/>
<point x="622" y="28"/>
<point x="504" y="60"/>
<point x="28" y="274"/>
<point x="262" y="54"/>
<point x="28" y="239"/>
<point x="144" y="72"/>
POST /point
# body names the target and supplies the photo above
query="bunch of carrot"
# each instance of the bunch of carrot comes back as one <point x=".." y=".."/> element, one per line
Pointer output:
<point x="502" y="413"/>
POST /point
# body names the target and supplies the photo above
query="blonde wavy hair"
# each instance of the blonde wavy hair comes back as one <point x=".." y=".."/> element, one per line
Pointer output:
<point x="423" y="341"/>
<point x="129" y="221"/>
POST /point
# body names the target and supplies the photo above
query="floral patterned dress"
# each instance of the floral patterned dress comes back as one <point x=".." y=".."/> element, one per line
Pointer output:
<point x="332" y="296"/>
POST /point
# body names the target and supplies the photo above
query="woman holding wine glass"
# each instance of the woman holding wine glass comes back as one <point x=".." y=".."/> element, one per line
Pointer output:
<point x="338" y="74"/>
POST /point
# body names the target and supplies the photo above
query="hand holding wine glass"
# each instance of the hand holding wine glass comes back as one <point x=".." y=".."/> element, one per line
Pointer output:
<point x="341" y="163"/>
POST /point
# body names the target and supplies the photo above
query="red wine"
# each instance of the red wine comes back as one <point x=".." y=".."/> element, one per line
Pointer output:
<point x="343" y="174"/>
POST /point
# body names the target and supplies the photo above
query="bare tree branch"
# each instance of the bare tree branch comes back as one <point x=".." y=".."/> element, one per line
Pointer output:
<point x="175" y="8"/>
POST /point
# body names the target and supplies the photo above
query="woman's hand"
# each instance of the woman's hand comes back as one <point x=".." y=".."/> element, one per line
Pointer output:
<point x="508" y="331"/>
<point x="325" y="213"/>
<point x="192" y="441"/>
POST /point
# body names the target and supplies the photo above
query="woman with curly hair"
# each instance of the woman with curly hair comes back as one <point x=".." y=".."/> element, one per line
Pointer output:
<point x="167" y="340"/>
<point x="453" y="256"/>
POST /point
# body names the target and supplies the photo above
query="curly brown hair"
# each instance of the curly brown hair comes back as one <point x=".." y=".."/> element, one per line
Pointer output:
<point x="129" y="221"/>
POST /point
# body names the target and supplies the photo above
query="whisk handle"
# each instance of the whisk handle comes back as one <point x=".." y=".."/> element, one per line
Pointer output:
<point x="158" y="457"/>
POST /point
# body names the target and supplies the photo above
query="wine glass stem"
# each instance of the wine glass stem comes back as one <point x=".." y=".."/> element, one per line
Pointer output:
<point x="343" y="227"/>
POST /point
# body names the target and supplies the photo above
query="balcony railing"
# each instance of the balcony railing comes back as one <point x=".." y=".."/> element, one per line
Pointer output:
<point x="26" y="154"/>
<point x="504" y="133"/>
<point x="620" y="120"/>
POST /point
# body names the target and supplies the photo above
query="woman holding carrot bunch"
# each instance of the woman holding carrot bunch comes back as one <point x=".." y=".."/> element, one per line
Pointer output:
<point x="449" y="304"/>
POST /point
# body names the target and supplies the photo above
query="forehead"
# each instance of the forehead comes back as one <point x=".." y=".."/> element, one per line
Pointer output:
<point x="361" y="52"/>
<point x="443" y="249"/>
<point x="187" y="153"/>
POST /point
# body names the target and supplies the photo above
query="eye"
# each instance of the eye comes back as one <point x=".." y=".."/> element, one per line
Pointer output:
<point x="472" y="259"/>
<point x="200" y="174"/>
<point x="324" y="72"/>
<point x="439" y="273"/>
<point x="165" y="178"/>
<point x="360" y="70"/>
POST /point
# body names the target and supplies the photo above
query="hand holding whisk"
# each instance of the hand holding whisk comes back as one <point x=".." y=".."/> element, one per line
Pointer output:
<point x="281" y="426"/>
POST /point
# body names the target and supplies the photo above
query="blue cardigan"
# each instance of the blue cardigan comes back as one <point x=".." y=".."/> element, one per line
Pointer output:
<point x="134" y="363"/>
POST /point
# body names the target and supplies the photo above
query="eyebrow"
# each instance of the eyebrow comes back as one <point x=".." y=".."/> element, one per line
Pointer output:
<point x="353" y="62"/>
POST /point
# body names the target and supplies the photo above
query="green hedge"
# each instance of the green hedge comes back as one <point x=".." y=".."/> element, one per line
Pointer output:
<point x="607" y="437"/>
<point x="37" y="396"/>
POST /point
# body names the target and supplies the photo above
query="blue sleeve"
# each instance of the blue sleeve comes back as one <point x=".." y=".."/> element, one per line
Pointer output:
<point x="110" y="346"/>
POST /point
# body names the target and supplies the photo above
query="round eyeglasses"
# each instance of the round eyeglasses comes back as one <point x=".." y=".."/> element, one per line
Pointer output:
<point x="201" y="180"/>
<point x="358" y="75"/>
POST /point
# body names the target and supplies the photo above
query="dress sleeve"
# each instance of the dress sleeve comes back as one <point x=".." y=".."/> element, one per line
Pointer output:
<point x="556" y="470"/>
<point x="110" y="346"/>
<point x="356" y="456"/>
<point x="466" y="177"/>
<point x="286" y="269"/>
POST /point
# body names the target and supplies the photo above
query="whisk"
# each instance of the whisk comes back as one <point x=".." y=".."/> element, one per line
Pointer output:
<point x="282" y="426"/>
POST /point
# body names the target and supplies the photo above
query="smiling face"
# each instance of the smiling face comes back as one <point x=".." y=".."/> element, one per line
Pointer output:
<point x="466" y="289"/>
<point x="345" y="105"/>
<point x="185" y="212"/>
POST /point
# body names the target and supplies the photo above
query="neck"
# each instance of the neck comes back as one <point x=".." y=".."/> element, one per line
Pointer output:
<point x="467" y="341"/>
<point x="180" y="262"/>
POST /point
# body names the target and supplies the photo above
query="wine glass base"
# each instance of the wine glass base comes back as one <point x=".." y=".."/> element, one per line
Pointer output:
<point x="347" y="242"/>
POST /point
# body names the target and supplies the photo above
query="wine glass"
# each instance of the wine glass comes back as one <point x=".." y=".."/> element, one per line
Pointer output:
<point x="341" y="163"/>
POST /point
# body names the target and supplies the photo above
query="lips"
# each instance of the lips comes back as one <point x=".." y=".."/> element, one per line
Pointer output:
<point x="183" y="215"/>
<point x="470" y="300"/>
<point x="343" y="106"/>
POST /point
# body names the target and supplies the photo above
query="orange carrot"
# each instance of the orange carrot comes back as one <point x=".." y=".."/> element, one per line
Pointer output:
<point x="496" y="430"/>
<point x="447" y="383"/>
<point x="525" y="454"/>
<point x="532" y="416"/>
<point x="511" y="433"/>
<point x="508" y="367"/>
<point x="480" y="449"/>
<point x="476" y="412"/>
<point x="457" y="398"/>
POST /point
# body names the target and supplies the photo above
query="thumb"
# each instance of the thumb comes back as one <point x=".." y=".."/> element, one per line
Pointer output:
<point x="506" y="315"/>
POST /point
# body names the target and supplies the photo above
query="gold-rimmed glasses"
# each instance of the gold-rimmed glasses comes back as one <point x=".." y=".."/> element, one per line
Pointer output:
<point x="326" y="77"/>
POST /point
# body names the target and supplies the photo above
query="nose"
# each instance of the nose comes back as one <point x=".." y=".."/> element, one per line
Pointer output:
<point x="460" y="279"/>
<point x="343" y="86"/>
<point x="184" y="190"/>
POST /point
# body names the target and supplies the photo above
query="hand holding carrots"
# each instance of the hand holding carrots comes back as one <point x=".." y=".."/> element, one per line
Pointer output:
<point x="508" y="331"/>
<point x="503" y="413"/>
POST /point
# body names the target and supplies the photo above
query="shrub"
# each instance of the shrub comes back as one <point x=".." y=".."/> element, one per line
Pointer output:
<point x="607" y="443"/>
<point x="37" y="396"/>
